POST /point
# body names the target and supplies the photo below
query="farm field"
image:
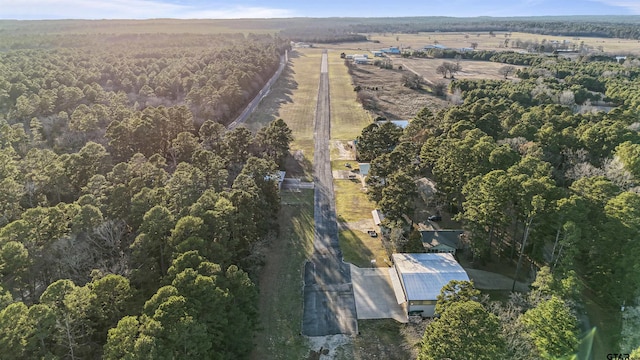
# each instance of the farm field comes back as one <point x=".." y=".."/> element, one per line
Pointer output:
<point x="485" y="41"/>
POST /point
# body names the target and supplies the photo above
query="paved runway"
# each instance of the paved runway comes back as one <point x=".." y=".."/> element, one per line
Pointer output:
<point x="329" y="304"/>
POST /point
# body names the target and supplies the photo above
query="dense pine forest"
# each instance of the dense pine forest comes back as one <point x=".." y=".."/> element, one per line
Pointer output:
<point x="541" y="171"/>
<point x="130" y="218"/>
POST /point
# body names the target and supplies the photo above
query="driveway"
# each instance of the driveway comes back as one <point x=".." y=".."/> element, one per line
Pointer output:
<point x="375" y="297"/>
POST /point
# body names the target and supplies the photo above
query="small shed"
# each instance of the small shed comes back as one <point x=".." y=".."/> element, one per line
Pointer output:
<point x="391" y="50"/>
<point x="441" y="241"/>
<point x="364" y="169"/>
<point x="421" y="277"/>
<point x="378" y="216"/>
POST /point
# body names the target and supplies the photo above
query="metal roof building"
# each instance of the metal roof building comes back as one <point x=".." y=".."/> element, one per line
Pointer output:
<point x="422" y="276"/>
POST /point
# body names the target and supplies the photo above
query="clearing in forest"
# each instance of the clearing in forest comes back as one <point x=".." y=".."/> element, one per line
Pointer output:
<point x="475" y="70"/>
<point x="281" y="281"/>
<point x="293" y="99"/>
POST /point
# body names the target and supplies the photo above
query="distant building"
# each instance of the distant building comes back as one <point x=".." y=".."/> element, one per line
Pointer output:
<point x="399" y="123"/>
<point x="300" y="45"/>
<point x="420" y="277"/>
<point x="434" y="46"/>
<point x="391" y="50"/>
<point x="378" y="216"/>
<point x="279" y="178"/>
<point x="364" y="169"/>
<point x="441" y="241"/>
<point x="361" y="60"/>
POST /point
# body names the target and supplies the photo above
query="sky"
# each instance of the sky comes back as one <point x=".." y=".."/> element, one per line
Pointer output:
<point x="233" y="9"/>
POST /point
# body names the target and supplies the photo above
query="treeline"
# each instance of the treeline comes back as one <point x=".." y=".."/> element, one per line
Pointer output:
<point x="532" y="174"/>
<point x="611" y="26"/>
<point x="321" y="34"/>
<point x="506" y="57"/>
<point x="129" y="228"/>
<point x="215" y="75"/>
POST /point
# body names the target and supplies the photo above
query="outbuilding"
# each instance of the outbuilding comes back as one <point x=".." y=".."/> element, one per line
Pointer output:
<point x="420" y="277"/>
<point x="441" y="241"/>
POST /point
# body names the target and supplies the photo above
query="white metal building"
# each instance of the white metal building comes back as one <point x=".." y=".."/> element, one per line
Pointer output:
<point x="420" y="277"/>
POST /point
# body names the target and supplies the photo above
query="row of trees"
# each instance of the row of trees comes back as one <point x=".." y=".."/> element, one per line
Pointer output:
<point x="539" y="325"/>
<point x="129" y="230"/>
<point x="99" y="77"/>
<point x="532" y="178"/>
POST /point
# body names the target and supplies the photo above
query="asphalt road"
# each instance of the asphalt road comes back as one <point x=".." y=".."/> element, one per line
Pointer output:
<point x="329" y="304"/>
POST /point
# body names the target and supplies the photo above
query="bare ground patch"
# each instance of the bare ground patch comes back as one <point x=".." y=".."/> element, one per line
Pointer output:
<point x="471" y="69"/>
<point x="342" y="150"/>
<point x="384" y="95"/>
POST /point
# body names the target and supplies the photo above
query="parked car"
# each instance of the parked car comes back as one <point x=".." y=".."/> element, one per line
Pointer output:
<point x="372" y="233"/>
<point x="435" y="218"/>
<point x="348" y="165"/>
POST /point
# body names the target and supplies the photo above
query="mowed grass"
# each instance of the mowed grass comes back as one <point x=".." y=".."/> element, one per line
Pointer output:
<point x="347" y="115"/>
<point x="293" y="98"/>
<point x="353" y="209"/>
<point x="281" y="281"/>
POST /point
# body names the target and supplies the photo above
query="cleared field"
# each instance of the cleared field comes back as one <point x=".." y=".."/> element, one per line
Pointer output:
<point x="388" y="97"/>
<point x="293" y="98"/>
<point x="347" y="115"/>
<point x="354" y="215"/>
<point x="281" y="281"/>
<point x="486" y="41"/>
<point x="475" y="70"/>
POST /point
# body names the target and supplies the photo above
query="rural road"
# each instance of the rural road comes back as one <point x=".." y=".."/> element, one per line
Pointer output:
<point x="263" y="92"/>
<point x="329" y="303"/>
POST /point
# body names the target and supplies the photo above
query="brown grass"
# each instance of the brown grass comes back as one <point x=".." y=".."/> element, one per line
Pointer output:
<point x="390" y="98"/>
<point x="485" y="41"/>
<point x="475" y="70"/>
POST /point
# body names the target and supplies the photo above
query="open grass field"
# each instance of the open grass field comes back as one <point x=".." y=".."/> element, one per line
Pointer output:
<point x="475" y="70"/>
<point x="485" y="41"/>
<point x="293" y="98"/>
<point x="347" y="115"/>
<point x="354" y="214"/>
<point x="281" y="281"/>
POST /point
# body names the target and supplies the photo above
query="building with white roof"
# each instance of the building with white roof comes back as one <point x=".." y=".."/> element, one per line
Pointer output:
<point x="420" y="277"/>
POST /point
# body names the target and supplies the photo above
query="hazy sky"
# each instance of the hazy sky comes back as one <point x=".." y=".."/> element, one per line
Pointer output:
<point x="187" y="9"/>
